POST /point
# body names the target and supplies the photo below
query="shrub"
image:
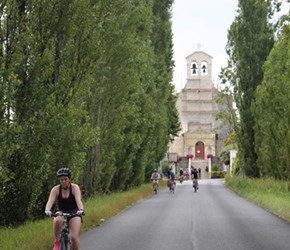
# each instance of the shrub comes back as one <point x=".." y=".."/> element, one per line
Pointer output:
<point x="217" y="174"/>
<point x="215" y="168"/>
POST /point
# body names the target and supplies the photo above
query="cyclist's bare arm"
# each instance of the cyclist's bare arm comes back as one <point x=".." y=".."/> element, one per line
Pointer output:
<point x="78" y="196"/>
<point x="52" y="198"/>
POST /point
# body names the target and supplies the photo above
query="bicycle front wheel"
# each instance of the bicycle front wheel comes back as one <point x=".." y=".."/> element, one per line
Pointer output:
<point x="64" y="243"/>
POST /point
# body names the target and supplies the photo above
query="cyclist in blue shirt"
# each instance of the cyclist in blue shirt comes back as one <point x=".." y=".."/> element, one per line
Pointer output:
<point x="170" y="176"/>
<point x="168" y="173"/>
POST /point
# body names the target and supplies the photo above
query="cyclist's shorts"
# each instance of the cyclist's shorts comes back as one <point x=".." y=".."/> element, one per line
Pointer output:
<point x="72" y="211"/>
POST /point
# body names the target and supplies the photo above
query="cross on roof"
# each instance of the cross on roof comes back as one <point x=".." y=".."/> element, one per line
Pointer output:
<point x="198" y="46"/>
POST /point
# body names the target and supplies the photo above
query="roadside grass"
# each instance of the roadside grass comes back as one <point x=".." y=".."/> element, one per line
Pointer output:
<point x="267" y="193"/>
<point x="39" y="235"/>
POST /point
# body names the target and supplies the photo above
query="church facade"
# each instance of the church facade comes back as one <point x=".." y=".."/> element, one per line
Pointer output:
<point x="198" y="142"/>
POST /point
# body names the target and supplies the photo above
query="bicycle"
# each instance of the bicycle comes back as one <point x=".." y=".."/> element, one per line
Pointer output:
<point x="64" y="237"/>
<point x="171" y="186"/>
<point x="194" y="185"/>
<point x="181" y="179"/>
<point x="155" y="187"/>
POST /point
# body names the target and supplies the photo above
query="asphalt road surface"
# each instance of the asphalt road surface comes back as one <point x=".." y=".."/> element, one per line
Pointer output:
<point x="214" y="218"/>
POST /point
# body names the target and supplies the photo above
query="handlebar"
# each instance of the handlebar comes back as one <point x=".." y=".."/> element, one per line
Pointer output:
<point x="64" y="214"/>
<point x="59" y="213"/>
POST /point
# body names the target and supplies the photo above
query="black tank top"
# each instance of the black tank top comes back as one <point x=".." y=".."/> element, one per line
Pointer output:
<point x="66" y="204"/>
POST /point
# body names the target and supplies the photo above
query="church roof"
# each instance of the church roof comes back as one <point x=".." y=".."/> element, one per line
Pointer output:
<point x="199" y="52"/>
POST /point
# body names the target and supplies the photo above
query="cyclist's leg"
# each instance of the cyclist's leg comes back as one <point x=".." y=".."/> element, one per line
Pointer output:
<point x="74" y="230"/>
<point x="57" y="225"/>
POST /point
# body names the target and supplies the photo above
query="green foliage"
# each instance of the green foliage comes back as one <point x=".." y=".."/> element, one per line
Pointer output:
<point x="215" y="167"/>
<point x="272" y="123"/>
<point x="217" y="174"/>
<point x="250" y="40"/>
<point x="166" y="167"/>
<point x="225" y="155"/>
<point x="229" y="144"/>
<point x="236" y="167"/>
<point x="231" y="140"/>
<point x="85" y="85"/>
<point x="227" y="114"/>
<point x="43" y="118"/>
<point x="266" y="192"/>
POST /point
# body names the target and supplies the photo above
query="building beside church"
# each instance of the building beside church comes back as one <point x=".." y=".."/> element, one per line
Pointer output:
<point x="199" y="141"/>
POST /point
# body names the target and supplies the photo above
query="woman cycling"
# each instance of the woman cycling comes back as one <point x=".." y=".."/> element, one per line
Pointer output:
<point x="68" y="197"/>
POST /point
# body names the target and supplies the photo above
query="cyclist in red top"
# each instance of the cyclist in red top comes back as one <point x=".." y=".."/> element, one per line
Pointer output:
<point x="68" y="197"/>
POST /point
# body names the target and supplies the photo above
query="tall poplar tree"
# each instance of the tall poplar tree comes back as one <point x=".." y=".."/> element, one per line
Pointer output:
<point x="250" y="39"/>
<point x="44" y="65"/>
<point x="272" y="137"/>
<point x="86" y="85"/>
<point x="167" y="124"/>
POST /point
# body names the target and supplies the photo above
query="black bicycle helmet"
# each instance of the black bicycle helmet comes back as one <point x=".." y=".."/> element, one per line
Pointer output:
<point x="64" y="172"/>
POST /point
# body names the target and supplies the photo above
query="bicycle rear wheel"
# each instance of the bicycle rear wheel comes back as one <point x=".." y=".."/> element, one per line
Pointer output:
<point x="194" y="185"/>
<point x="64" y="243"/>
<point x="155" y="187"/>
<point x="171" y="188"/>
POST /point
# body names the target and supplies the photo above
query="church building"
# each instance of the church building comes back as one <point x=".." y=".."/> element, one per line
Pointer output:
<point x="198" y="142"/>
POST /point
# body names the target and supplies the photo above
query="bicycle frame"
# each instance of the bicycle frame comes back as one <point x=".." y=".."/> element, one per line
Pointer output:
<point x="180" y="178"/>
<point x="155" y="186"/>
<point x="194" y="184"/>
<point x="64" y="238"/>
<point x="171" y="186"/>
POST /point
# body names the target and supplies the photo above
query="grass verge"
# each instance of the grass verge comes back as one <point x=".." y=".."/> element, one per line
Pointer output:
<point x="267" y="193"/>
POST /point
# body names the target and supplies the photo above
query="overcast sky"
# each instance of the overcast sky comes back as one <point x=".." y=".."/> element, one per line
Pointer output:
<point x="204" y="22"/>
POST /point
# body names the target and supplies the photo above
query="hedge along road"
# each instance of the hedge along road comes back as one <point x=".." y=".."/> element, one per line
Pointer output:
<point x="214" y="218"/>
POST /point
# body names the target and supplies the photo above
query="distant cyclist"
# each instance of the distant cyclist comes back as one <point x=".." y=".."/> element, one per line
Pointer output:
<point x="168" y="173"/>
<point x="194" y="176"/>
<point x="181" y="172"/>
<point x="68" y="197"/>
<point x="171" y="176"/>
<point x="155" y="177"/>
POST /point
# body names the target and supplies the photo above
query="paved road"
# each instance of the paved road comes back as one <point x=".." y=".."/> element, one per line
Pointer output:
<point x="214" y="218"/>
